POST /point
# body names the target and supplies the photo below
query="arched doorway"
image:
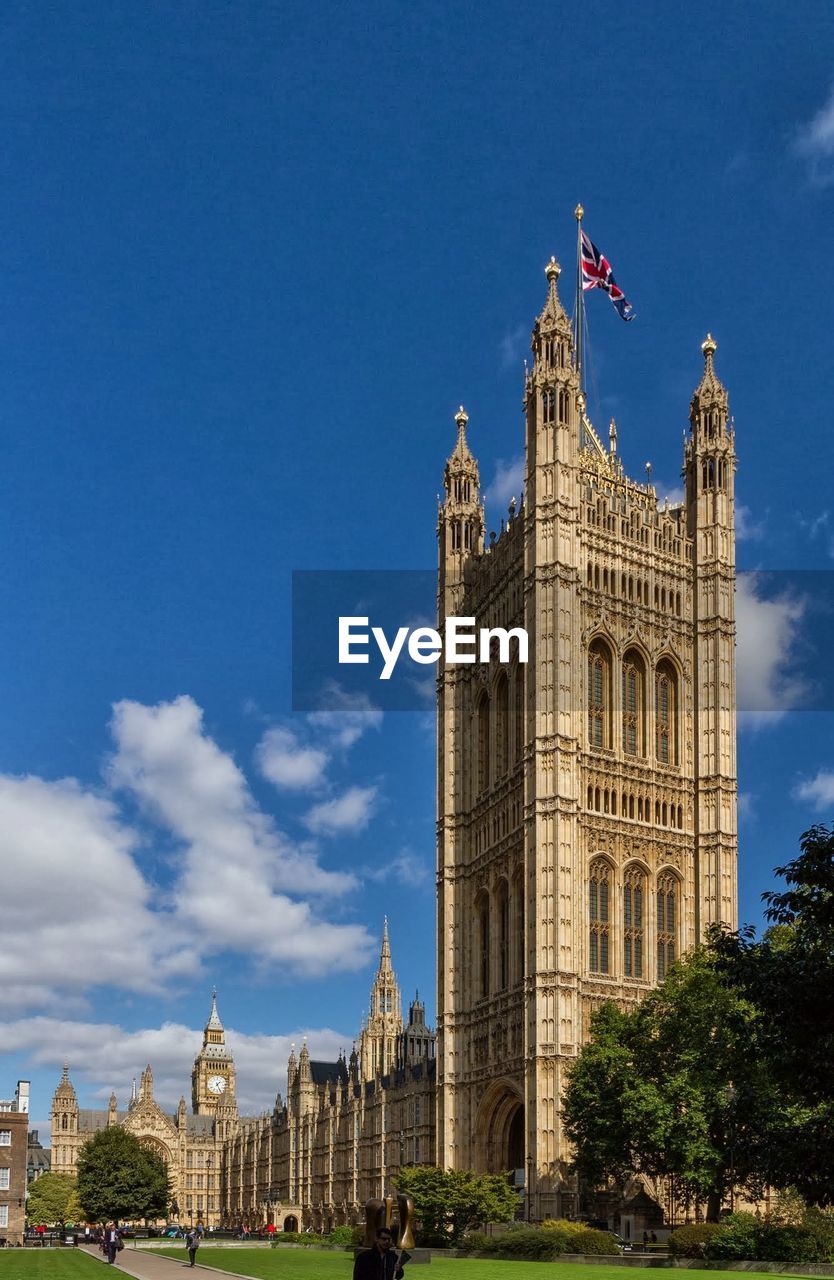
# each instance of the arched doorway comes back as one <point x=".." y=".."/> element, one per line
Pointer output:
<point x="500" y="1129"/>
<point x="291" y="1223"/>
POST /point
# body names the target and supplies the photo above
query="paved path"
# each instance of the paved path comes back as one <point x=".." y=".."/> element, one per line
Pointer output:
<point x="151" y="1266"/>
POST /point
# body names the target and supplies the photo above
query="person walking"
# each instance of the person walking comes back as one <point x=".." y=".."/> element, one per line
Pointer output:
<point x="112" y="1241"/>
<point x="192" y="1244"/>
<point x="381" y="1262"/>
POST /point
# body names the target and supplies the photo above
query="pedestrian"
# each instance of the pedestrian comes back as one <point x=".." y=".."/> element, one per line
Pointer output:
<point x="380" y="1262"/>
<point x="192" y="1244"/>
<point x="112" y="1241"/>
<point x="645" y="1239"/>
<point x="654" y="1238"/>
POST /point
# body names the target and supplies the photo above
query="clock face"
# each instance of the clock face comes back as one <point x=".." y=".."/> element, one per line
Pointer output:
<point x="216" y="1084"/>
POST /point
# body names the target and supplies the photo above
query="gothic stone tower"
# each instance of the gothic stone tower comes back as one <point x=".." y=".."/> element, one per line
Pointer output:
<point x="587" y="801"/>
<point x="213" y="1078"/>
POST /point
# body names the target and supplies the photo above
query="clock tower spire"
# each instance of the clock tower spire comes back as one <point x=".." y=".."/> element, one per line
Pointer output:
<point x="213" y="1076"/>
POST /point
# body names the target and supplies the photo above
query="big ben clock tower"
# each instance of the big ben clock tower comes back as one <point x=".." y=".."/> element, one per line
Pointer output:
<point x="213" y="1077"/>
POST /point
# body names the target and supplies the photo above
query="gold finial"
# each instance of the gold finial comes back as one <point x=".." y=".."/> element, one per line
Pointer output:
<point x="709" y="346"/>
<point x="579" y="213"/>
<point x="461" y="418"/>
<point x="612" y="435"/>
<point x="552" y="270"/>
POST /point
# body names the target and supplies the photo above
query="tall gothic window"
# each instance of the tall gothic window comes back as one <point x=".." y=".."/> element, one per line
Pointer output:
<point x="483" y="944"/>
<point x="503" y="908"/>
<point x="599" y="695"/>
<point x="483" y="744"/>
<point x="518" y="889"/>
<point x="633" y="704"/>
<point x="599" y="894"/>
<point x="666" y="712"/>
<point x="667" y="923"/>
<point x="634" y="896"/>
<point x="519" y="713"/>
<point x="502" y="725"/>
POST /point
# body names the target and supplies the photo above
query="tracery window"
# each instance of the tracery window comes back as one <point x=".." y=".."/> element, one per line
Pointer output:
<point x="518" y="886"/>
<point x="502" y="726"/>
<point x="599" y="695"/>
<point x="483" y="944"/>
<point x="599" y="885"/>
<point x="503" y="905"/>
<point x="667" y="917"/>
<point x="634" y="894"/>
<point x="482" y="777"/>
<point x="519" y="714"/>
<point x="633" y="704"/>
<point x="666" y="712"/>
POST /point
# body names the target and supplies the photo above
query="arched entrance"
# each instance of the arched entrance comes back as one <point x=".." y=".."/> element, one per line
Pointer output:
<point x="291" y="1223"/>
<point x="499" y="1129"/>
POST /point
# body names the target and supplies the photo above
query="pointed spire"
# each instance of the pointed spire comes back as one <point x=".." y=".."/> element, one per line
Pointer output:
<point x="553" y="314"/>
<point x="214" y="1023"/>
<point x="385" y="953"/>
<point x="710" y="389"/>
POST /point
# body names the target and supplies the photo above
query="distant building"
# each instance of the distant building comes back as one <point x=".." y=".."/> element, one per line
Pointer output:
<point x="14" y="1129"/>
<point x="38" y="1158"/>
<point x="346" y="1128"/>
<point x="190" y="1145"/>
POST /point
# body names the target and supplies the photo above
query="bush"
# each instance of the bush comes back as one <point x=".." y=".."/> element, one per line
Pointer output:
<point x="736" y="1237"/>
<point x="298" y="1237"/>
<point x="691" y="1242"/>
<point x="341" y="1235"/>
<point x="528" y="1242"/>
<point x="476" y="1242"/>
<point x="590" y="1240"/>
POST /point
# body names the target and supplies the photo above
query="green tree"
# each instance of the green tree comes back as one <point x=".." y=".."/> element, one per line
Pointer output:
<point x="674" y="1087"/>
<point x="449" y="1202"/>
<point x="50" y="1198"/>
<point x="118" y="1178"/>
<point x="789" y="976"/>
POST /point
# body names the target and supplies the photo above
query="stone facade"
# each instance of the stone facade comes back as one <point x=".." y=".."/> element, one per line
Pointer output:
<point x="14" y="1132"/>
<point x="346" y="1127"/>
<point x="191" y="1145"/>
<point x="587" y="800"/>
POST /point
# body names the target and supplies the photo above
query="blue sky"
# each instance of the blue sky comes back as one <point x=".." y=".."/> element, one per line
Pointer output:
<point x="251" y="260"/>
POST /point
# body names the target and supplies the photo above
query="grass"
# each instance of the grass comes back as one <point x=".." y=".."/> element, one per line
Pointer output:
<point x="286" y="1264"/>
<point x="47" y="1264"/>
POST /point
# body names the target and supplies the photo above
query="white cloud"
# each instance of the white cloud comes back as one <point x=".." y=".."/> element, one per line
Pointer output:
<point x="104" y="1057"/>
<point x="815" y="143"/>
<point x="349" y="812"/>
<point x="82" y="906"/>
<point x="818" y="791"/>
<point x="768" y="631"/>
<point x="513" y="346"/>
<point x="406" y="867"/>
<point x="507" y="483"/>
<point x="237" y="870"/>
<point x="282" y="759"/>
<point x="746" y="527"/>
<point x="76" y="908"/>
<point x="346" y="716"/>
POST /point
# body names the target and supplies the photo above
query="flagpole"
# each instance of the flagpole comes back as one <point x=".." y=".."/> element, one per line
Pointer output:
<point x="579" y="309"/>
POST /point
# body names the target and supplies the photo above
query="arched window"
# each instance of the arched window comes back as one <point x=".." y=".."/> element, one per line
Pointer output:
<point x="502" y="899"/>
<point x="599" y="695"/>
<point x="483" y="944"/>
<point x="667" y="923"/>
<point x="502" y="726"/>
<point x="634" y="697"/>
<point x="483" y="744"/>
<point x="666" y="712"/>
<point x="64" y="1122"/>
<point x="519" y="713"/>
<point x="634" y="895"/>
<point x="599" y="884"/>
<point x="518" y="890"/>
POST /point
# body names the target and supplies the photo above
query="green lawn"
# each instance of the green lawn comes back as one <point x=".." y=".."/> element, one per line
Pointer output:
<point x="287" y="1264"/>
<point x="46" y="1264"/>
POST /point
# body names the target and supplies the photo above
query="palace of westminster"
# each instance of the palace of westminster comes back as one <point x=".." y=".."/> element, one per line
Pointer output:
<point x="586" y="834"/>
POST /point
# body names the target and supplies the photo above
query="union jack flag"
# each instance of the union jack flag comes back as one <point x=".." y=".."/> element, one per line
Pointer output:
<point x="597" y="274"/>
